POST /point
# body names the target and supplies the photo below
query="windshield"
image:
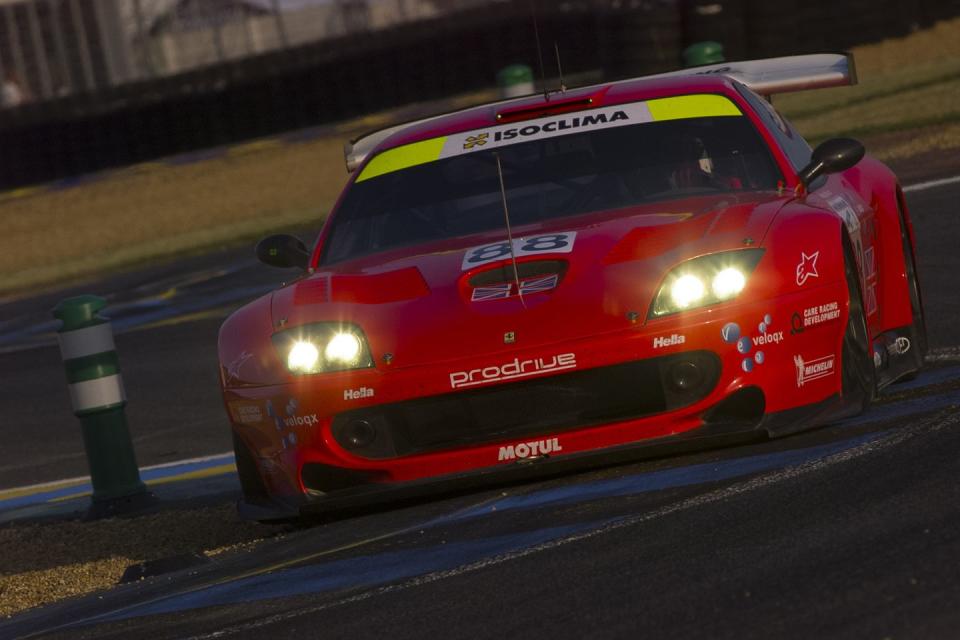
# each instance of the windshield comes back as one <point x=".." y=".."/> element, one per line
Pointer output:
<point x="549" y="178"/>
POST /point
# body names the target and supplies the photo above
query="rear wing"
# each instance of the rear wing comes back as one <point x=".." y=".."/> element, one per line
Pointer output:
<point x="766" y="77"/>
<point x="783" y="75"/>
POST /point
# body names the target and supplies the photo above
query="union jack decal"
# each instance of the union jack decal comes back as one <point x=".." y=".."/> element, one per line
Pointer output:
<point x="508" y="289"/>
<point x="492" y="293"/>
<point x="534" y="285"/>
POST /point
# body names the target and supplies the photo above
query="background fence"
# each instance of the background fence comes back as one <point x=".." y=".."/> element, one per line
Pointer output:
<point x="56" y="48"/>
<point x="92" y="84"/>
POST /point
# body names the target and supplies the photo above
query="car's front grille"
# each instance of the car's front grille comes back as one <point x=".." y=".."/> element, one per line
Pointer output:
<point x="538" y="406"/>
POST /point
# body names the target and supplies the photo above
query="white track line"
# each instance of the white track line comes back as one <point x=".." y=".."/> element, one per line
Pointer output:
<point x="53" y="484"/>
<point x="932" y="184"/>
<point x="936" y="423"/>
<point x="943" y="354"/>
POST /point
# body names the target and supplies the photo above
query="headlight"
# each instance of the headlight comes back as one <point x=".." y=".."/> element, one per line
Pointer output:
<point x="303" y="356"/>
<point x="686" y="290"/>
<point x="344" y="348"/>
<point x="729" y="283"/>
<point x="323" y="347"/>
<point x="705" y="280"/>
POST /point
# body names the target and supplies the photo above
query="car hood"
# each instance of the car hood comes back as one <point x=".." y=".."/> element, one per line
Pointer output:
<point x="420" y="305"/>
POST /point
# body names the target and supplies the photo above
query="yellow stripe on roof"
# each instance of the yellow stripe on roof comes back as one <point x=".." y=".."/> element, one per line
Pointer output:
<point x="661" y="109"/>
<point x="696" y="106"/>
<point x="409" y="155"/>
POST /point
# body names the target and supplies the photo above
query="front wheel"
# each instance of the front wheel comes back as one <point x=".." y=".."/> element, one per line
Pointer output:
<point x="859" y="372"/>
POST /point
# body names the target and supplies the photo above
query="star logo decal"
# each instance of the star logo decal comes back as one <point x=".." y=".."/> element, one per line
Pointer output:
<point x="807" y="267"/>
<point x="233" y="369"/>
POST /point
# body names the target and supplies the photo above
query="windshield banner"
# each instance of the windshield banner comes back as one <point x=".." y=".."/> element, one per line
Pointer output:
<point x="409" y="155"/>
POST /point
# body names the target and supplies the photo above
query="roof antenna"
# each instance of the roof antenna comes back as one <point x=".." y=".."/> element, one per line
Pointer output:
<point x="556" y="49"/>
<point x="536" y="34"/>
<point x="506" y="216"/>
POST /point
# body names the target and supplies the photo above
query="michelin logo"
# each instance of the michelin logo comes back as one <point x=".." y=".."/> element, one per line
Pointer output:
<point x="809" y="370"/>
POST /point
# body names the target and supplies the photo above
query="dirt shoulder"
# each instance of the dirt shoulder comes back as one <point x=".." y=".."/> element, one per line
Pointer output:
<point x="48" y="561"/>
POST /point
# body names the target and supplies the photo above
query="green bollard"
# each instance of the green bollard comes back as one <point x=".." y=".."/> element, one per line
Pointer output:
<point x="98" y="398"/>
<point x="515" y="80"/>
<point x="701" y="53"/>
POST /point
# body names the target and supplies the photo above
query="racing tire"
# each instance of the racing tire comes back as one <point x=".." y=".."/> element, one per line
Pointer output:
<point x="919" y="326"/>
<point x="251" y="484"/>
<point x="859" y="374"/>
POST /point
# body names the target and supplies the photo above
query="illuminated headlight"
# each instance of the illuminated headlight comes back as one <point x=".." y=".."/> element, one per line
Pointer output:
<point x="322" y="347"/>
<point x="686" y="291"/>
<point x="344" y="348"/>
<point x="728" y="283"/>
<point x="704" y="281"/>
<point x="303" y="357"/>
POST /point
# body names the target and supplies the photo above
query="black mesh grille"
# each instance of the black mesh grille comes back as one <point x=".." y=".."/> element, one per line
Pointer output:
<point x="533" y="407"/>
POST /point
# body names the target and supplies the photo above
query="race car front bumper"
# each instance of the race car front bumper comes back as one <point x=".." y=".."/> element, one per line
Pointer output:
<point x="364" y="494"/>
<point x="746" y="368"/>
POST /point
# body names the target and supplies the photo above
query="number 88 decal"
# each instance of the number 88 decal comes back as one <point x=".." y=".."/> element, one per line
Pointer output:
<point x="547" y="243"/>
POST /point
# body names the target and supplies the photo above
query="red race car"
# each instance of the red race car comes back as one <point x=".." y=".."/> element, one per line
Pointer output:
<point x="537" y="284"/>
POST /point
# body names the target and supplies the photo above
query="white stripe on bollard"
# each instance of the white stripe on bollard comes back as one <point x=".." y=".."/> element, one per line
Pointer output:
<point x="86" y="341"/>
<point x="100" y="392"/>
<point x="517" y="90"/>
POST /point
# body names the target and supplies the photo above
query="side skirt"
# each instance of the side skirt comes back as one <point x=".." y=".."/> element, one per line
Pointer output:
<point x="831" y="409"/>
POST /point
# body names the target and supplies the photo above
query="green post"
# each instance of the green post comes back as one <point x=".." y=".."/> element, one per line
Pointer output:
<point x="515" y="80"/>
<point x="98" y="398"/>
<point x="701" y="53"/>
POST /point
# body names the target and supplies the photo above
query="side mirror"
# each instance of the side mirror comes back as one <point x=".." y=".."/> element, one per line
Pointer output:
<point x="283" y="251"/>
<point x="831" y="156"/>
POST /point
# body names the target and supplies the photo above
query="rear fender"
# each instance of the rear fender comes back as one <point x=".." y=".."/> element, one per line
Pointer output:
<point x="879" y="184"/>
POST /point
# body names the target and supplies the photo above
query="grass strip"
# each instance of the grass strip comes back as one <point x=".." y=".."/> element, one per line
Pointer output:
<point x="869" y="131"/>
<point x="160" y="211"/>
<point x="934" y="104"/>
<point x="850" y="97"/>
<point x="154" y="211"/>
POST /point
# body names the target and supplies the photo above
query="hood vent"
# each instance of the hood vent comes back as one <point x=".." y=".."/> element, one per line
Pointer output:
<point x="498" y="283"/>
<point x="375" y="288"/>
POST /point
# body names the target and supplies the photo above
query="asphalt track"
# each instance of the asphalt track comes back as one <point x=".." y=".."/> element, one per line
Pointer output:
<point x="848" y="531"/>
